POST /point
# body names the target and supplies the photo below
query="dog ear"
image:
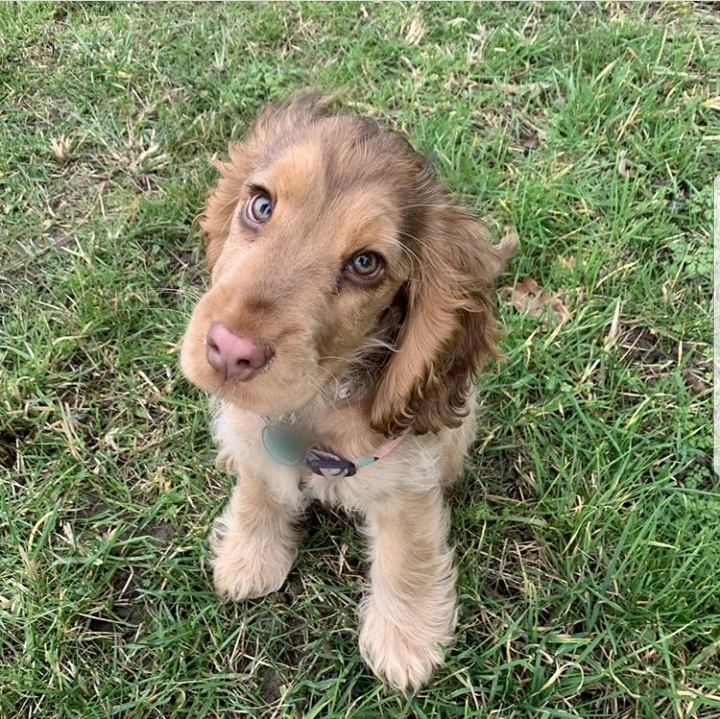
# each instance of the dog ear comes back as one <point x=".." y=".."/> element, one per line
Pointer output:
<point x="273" y="122"/>
<point x="449" y="328"/>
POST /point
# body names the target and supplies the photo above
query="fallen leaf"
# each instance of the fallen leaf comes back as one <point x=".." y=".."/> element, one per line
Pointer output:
<point x="567" y="263"/>
<point x="531" y="142"/>
<point x="60" y="147"/>
<point x="696" y="384"/>
<point x="622" y="168"/>
<point x="527" y="296"/>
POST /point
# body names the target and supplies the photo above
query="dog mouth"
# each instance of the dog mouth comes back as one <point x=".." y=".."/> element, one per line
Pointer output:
<point x="279" y="384"/>
<point x="269" y="372"/>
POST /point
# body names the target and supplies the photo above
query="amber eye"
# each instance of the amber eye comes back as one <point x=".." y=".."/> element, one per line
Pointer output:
<point x="365" y="264"/>
<point x="259" y="209"/>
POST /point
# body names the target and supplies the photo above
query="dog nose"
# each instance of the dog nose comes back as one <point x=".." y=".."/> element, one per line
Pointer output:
<point x="235" y="357"/>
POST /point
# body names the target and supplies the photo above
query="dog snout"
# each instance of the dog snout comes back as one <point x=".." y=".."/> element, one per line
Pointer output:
<point x="234" y="357"/>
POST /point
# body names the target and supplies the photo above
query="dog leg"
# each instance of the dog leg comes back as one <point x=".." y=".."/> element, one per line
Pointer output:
<point x="408" y="616"/>
<point x="254" y="541"/>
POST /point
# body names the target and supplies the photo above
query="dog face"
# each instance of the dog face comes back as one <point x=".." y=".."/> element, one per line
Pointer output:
<point x="327" y="238"/>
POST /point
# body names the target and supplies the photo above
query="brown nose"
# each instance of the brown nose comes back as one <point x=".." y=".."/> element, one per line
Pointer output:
<point x="234" y="357"/>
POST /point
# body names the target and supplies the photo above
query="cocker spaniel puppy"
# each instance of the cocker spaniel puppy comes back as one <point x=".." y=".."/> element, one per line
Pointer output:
<point x="350" y="308"/>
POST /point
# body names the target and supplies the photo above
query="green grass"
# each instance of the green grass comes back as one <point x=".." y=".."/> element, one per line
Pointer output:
<point x="587" y="531"/>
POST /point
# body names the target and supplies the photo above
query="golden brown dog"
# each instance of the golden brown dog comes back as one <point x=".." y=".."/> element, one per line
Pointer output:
<point x="349" y="310"/>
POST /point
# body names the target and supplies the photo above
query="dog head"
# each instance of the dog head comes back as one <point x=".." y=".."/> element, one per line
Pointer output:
<point x="334" y="252"/>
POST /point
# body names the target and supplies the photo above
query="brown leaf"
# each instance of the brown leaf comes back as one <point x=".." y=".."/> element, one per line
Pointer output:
<point x="531" y="142"/>
<point x="527" y="296"/>
<point x="696" y="384"/>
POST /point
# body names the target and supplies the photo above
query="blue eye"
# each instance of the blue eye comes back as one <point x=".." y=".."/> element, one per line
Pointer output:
<point x="365" y="264"/>
<point x="259" y="209"/>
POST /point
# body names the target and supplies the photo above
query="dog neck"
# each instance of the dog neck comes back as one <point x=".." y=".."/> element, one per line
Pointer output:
<point x="337" y="420"/>
<point x="321" y="453"/>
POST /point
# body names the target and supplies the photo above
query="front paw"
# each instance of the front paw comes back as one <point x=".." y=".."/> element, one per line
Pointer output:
<point x="402" y="654"/>
<point x="247" y="566"/>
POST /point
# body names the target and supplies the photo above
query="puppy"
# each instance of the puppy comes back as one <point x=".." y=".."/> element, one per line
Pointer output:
<point x="349" y="311"/>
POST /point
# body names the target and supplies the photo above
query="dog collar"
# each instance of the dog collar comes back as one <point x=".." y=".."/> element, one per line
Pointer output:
<point x="287" y="445"/>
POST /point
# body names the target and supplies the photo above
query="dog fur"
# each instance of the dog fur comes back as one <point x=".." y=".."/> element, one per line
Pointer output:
<point x="345" y="192"/>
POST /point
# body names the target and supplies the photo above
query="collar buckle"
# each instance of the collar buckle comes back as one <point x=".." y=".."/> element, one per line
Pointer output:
<point x="329" y="465"/>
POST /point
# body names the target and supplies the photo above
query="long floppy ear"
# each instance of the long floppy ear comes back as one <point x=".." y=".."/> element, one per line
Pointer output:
<point x="272" y="123"/>
<point x="449" y="329"/>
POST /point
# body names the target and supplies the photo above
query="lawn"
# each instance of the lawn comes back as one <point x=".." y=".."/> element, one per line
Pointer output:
<point x="586" y="526"/>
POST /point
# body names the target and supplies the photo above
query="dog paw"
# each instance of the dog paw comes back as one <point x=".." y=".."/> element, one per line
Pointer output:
<point x="403" y="656"/>
<point x="246" y="567"/>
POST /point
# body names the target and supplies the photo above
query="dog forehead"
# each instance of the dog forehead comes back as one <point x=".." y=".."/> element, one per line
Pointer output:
<point x="294" y="172"/>
<point x="326" y="187"/>
<point x="332" y="157"/>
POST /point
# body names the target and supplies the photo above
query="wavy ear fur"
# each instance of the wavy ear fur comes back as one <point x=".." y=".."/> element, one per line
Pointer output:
<point x="272" y="124"/>
<point x="449" y="329"/>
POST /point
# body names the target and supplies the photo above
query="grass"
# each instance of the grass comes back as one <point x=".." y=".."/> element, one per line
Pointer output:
<point x="587" y="531"/>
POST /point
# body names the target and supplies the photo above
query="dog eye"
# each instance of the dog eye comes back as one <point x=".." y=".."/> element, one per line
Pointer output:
<point x="259" y="209"/>
<point x="365" y="264"/>
<point x="365" y="269"/>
